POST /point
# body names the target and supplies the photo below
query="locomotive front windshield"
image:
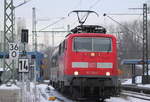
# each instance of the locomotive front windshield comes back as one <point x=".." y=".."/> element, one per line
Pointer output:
<point x="92" y="44"/>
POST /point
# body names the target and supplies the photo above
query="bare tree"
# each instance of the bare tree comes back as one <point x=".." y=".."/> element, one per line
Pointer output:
<point x="129" y="42"/>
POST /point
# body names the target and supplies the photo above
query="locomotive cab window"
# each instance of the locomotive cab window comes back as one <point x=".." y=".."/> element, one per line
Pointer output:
<point x="60" y="48"/>
<point x="54" y="58"/>
<point x="92" y="44"/>
<point x="63" y="46"/>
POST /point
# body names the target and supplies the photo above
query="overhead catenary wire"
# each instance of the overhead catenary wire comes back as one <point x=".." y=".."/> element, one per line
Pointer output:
<point x="22" y="3"/>
<point x="95" y="3"/>
<point x="63" y="18"/>
<point x="122" y="25"/>
<point x="122" y="14"/>
<point x="53" y="23"/>
<point x="92" y="6"/>
<point x="14" y="7"/>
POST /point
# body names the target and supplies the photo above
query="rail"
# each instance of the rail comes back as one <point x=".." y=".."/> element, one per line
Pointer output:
<point x="136" y="95"/>
<point x="135" y="88"/>
<point x="136" y="92"/>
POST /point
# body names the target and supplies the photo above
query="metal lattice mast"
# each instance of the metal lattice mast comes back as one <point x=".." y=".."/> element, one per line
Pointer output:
<point x="145" y="42"/>
<point x="34" y="42"/>
<point x="34" y="33"/>
<point x="8" y="33"/>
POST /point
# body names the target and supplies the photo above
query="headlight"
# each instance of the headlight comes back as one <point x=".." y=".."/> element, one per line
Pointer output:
<point x="76" y="73"/>
<point x="107" y="73"/>
<point x="92" y="54"/>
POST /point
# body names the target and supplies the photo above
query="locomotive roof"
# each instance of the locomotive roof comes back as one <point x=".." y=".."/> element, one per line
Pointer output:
<point x="89" y="35"/>
<point x="89" y="29"/>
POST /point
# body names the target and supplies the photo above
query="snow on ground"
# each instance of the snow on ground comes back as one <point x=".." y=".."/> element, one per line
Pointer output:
<point x="46" y="81"/>
<point x="147" y="85"/>
<point x="42" y="88"/>
<point x="127" y="82"/>
<point x="130" y="99"/>
<point x="53" y="92"/>
<point x="43" y="94"/>
<point x="1" y="69"/>
<point x="125" y="99"/>
<point x="138" y="80"/>
<point x="11" y="87"/>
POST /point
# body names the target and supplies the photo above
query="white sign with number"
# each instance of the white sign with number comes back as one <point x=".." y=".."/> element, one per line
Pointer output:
<point x="13" y="50"/>
<point x="23" y="65"/>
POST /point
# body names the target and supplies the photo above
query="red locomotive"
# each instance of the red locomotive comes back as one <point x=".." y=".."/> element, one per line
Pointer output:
<point x="84" y="65"/>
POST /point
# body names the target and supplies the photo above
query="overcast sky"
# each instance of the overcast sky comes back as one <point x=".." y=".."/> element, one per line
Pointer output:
<point x="61" y="8"/>
<point x="55" y="9"/>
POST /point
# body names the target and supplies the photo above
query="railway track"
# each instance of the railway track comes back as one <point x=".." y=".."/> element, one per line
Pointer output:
<point x="136" y="95"/>
<point x="135" y="88"/>
<point x="61" y="98"/>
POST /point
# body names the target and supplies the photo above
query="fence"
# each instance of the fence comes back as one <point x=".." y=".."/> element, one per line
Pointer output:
<point x="9" y="95"/>
<point x="10" y="99"/>
<point x="16" y="94"/>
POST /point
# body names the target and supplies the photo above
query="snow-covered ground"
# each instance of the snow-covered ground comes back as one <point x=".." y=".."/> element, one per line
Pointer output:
<point x="43" y="94"/>
<point x="53" y="92"/>
<point x="7" y="87"/>
<point x="125" y="99"/>
<point x="43" y="89"/>
<point x="138" y="81"/>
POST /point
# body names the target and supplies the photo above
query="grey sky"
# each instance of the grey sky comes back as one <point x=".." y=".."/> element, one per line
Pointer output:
<point x="60" y="8"/>
<point x="56" y="8"/>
